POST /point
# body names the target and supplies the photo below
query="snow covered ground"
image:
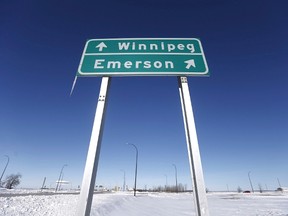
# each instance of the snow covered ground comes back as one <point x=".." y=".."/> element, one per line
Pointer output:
<point x="145" y="204"/>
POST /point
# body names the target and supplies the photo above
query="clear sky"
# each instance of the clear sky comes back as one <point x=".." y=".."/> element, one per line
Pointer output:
<point x="241" y="110"/>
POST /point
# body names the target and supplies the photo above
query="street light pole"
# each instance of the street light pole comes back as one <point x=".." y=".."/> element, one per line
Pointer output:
<point x="250" y="181"/>
<point x="165" y="182"/>
<point x="135" y="183"/>
<point x="176" y="177"/>
<point x="4" y="168"/>
<point x="59" y="179"/>
<point x="279" y="183"/>
<point x="124" y="180"/>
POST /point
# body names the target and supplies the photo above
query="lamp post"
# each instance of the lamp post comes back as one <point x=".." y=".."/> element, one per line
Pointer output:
<point x="250" y="181"/>
<point x="176" y="177"/>
<point x="59" y="179"/>
<point x="124" y="180"/>
<point x="165" y="182"/>
<point x="135" y="183"/>
<point x="279" y="183"/>
<point x="4" y="168"/>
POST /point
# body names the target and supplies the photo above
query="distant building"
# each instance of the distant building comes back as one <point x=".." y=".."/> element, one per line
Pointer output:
<point x="282" y="189"/>
<point x="100" y="188"/>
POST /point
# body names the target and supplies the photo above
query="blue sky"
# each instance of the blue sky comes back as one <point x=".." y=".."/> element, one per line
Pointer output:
<point x="240" y="110"/>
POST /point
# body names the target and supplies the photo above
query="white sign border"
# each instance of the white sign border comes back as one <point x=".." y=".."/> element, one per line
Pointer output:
<point x="135" y="73"/>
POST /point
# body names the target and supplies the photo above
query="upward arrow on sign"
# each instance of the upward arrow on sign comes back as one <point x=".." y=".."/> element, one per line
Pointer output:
<point x="101" y="46"/>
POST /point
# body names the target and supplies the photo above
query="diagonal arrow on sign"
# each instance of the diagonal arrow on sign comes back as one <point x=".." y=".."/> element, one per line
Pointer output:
<point x="101" y="46"/>
<point x="190" y="63"/>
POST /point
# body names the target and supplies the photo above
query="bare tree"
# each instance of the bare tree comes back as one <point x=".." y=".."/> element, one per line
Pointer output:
<point x="12" y="181"/>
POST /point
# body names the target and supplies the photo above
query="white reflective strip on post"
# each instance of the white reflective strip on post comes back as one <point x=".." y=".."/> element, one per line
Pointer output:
<point x="199" y="189"/>
<point x="88" y="182"/>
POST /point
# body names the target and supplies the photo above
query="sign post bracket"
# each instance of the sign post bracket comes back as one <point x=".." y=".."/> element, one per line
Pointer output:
<point x="199" y="190"/>
<point x="88" y="182"/>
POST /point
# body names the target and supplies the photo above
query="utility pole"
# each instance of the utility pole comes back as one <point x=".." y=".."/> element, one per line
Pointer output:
<point x="135" y="182"/>
<point x="4" y="168"/>
<point x="176" y="177"/>
<point x="59" y="179"/>
<point x="250" y="181"/>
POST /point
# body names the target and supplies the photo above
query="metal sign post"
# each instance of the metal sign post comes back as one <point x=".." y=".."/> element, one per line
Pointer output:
<point x="199" y="189"/>
<point x="88" y="182"/>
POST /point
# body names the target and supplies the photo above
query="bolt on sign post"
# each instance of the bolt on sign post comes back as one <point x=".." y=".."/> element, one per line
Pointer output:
<point x="179" y="57"/>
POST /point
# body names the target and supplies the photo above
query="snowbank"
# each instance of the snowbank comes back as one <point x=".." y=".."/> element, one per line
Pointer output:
<point x="146" y="204"/>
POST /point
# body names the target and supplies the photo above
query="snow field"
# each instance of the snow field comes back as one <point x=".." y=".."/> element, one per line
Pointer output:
<point x="147" y="204"/>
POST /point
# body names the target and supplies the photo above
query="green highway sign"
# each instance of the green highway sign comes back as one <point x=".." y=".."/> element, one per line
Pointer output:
<point x="143" y="57"/>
